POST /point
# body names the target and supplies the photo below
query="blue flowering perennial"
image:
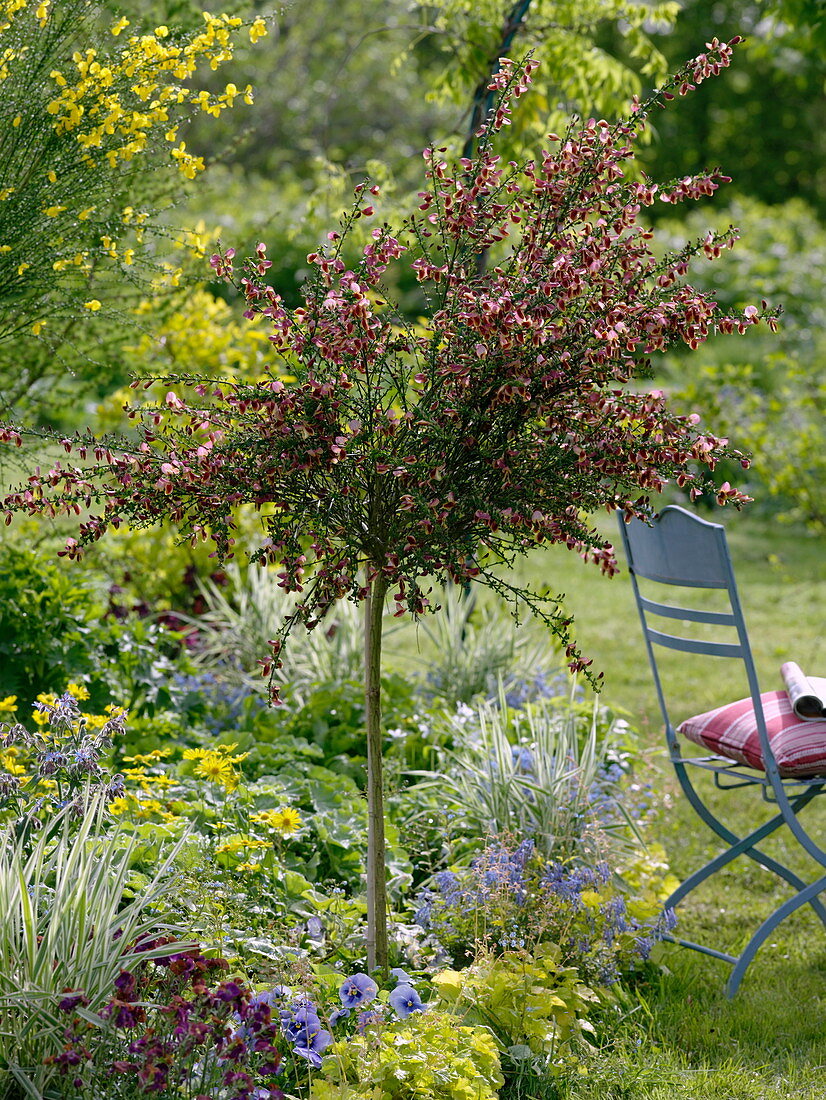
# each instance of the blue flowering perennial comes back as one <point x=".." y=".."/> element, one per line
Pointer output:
<point x="511" y="898"/>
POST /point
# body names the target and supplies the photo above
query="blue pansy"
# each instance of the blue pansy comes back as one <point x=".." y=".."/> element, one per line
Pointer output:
<point x="303" y="1028"/>
<point x="359" y="989"/>
<point x="404" y="1000"/>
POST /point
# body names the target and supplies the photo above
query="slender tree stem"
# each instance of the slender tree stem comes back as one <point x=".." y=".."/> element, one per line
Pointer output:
<point x="376" y="862"/>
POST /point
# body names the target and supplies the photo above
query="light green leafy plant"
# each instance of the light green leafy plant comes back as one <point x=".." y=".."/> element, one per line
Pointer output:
<point x="535" y="1006"/>
<point x="428" y="1056"/>
<point x="66" y="928"/>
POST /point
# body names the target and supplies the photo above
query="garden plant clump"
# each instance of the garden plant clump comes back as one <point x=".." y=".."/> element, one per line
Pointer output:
<point x="428" y="878"/>
<point x="281" y="1002"/>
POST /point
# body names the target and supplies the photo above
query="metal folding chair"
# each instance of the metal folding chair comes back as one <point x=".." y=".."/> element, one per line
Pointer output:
<point x="680" y="549"/>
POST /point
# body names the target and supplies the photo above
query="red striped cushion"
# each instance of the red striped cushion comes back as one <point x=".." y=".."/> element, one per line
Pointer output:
<point x="798" y="746"/>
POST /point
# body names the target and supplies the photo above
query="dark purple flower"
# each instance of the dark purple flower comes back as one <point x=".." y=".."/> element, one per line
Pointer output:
<point x="125" y="984"/>
<point x="229" y="991"/>
<point x="404" y="1000"/>
<point x="72" y="999"/>
<point x="359" y="989"/>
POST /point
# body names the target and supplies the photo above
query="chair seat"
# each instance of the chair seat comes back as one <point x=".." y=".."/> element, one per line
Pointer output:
<point x="799" y="746"/>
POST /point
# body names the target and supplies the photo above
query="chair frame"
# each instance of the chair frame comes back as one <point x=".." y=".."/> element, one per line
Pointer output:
<point x="680" y="549"/>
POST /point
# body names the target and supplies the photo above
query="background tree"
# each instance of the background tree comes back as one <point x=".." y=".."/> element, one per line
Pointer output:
<point x="770" y="126"/>
<point x="401" y="452"/>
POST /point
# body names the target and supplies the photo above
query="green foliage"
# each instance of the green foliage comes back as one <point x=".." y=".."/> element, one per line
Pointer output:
<point x="247" y="609"/>
<point x="532" y="773"/>
<point x="53" y="630"/>
<point x="533" y="1005"/>
<point x="579" y="71"/>
<point x="65" y="928"/>
<point x="768" y="128"/>
<point x="473" y="650"/>
<point x="47" y="636"/>
<point x="428" y="1056"/>
<point x="769" y="398"/>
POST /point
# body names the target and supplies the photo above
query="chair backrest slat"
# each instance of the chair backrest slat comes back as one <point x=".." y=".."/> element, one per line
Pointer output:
<point x="695" y="645"/>
<point x="688" y="614"/>
<point x="680" y="549"/>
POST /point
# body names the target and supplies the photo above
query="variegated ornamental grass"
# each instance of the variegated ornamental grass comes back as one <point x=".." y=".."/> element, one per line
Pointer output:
<point x="67" y="930"/>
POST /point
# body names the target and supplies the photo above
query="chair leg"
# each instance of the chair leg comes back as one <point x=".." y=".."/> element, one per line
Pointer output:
<point x="744" y="847"/>
<point x="767" y="927"/>
<point x="739" y="846"/>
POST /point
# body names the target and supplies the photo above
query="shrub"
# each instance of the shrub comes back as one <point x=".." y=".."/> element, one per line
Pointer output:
<point x="54" y="629"/>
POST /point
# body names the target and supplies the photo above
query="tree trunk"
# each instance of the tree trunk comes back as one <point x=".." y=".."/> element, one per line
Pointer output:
<point x="376" y="861"/>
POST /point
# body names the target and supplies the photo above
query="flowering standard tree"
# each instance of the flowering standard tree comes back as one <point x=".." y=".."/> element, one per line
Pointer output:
<point x="402" y="452"/>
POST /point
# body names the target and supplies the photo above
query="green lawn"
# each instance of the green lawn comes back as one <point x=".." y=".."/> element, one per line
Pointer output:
<point x="770" y="1041"/>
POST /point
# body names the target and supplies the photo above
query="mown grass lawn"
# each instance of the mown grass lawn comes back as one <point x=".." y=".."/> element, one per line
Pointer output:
<point x="688" y="1040"/>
